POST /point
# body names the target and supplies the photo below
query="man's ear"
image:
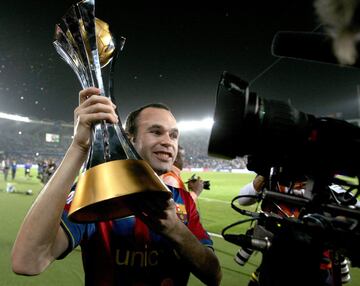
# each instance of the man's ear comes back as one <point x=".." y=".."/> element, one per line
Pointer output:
<point x="130" y="137"/>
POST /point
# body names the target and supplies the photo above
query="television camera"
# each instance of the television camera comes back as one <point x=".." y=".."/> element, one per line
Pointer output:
<point x="286" y="146"/>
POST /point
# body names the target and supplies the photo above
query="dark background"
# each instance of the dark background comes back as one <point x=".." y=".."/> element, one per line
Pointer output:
<point x="174" y="53"/>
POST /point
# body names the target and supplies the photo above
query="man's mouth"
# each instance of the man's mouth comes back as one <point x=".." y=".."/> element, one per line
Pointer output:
<point x="163" y="156"/>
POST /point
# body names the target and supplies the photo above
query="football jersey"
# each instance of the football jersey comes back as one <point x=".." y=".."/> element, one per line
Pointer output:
<point x="126" y="252"/>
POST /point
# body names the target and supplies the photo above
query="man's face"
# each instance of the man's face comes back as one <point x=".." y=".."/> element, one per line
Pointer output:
<point x="156" y="139"/>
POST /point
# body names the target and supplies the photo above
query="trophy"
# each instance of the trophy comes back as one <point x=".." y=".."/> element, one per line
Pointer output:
<point x="115" y="177"/>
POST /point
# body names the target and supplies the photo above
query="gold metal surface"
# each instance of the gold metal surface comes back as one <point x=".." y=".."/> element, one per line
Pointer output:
<point x="115" y="189"/>
<point x="104" y="41"/>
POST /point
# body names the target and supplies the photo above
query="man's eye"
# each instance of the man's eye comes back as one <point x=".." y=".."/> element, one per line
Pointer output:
<point x="156" y="132"/>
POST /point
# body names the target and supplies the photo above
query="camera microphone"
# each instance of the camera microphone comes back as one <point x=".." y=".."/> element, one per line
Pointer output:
<point x="248" y="241"/>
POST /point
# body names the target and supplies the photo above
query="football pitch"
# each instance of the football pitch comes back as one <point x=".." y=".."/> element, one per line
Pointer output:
<point x="214" y="207"/>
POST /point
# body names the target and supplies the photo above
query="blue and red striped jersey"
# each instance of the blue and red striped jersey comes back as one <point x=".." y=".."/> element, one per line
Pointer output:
<point x="126" y="252"/>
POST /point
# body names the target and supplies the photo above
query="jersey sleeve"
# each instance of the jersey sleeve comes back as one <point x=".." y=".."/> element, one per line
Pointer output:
<point x="194" y="223"/>
<point x="74" y="231"/>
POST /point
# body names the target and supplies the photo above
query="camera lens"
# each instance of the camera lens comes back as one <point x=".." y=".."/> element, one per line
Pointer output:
<point x="243" y="255"/>
<point x="345" y="271"/>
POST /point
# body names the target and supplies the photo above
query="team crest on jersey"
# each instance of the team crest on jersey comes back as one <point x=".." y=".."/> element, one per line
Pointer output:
<point x="181" y="212"/>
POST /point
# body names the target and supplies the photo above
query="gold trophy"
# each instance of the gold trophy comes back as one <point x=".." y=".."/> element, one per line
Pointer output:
<point x="115" y="177"/>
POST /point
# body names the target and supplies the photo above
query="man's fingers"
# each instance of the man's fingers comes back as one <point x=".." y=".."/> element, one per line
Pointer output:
<point x="91" y="96"/>
<point x="101" y="107"/>
<point x="87" y="93"/>
<point x="152" y="210"/>
<point x="94" y="98"/>
<point x="98" y="107"/>
<point x="89" y="118"/>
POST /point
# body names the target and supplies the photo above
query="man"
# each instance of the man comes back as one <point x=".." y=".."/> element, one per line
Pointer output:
<point x="13" y="169"/>
<point x="49" y="170"/>
<point x="6" y="168"/>
<point x="27" y="169"/>
<point x="173" y="178"/>
<point x="153" y="248"/>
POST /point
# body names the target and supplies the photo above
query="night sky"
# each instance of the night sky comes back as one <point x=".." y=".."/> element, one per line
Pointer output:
<point x="174" y="54"/>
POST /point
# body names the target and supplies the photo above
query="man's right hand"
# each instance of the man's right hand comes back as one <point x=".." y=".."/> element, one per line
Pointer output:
<point x="93" y="108"/>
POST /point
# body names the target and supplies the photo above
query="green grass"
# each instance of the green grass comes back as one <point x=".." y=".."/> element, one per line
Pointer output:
<point x="214" y="206"/>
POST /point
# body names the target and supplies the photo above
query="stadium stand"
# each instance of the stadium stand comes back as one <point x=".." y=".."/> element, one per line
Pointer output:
<point x="25" y="141"/>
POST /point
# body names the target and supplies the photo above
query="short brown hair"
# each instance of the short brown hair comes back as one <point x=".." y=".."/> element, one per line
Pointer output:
<point x="131" y="124"/>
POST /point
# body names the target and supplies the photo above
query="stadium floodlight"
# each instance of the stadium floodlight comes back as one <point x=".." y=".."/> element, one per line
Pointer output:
<point x="191" y="125"/>
<point x="14" y="117"/>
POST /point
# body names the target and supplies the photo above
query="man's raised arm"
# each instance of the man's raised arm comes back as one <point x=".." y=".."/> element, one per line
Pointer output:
<point x="41" y="239"/>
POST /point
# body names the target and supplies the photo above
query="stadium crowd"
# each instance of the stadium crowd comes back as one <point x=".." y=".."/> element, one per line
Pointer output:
<point x="25" y="142"/>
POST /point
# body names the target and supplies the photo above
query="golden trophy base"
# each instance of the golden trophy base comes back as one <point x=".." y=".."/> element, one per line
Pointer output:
<point x="114" y="189"/>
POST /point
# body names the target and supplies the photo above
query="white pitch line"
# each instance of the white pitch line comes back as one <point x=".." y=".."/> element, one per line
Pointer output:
<point x="216" y="235"/>
<point x="215" y="200"/>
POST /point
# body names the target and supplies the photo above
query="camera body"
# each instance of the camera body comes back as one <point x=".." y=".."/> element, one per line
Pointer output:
<point x="286" y="145"/>
<point x="275" y="134"/>
<point x="206" y="185"/>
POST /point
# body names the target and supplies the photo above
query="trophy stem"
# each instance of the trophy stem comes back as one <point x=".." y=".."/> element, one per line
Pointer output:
<point x="107" y="155"/>
<point x="129" y="149"/>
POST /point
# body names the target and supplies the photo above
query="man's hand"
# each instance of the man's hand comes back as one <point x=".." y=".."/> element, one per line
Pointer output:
<point x="195" y="186"/>
<point x="159" y="215"/>
<point x="93" y="108"/>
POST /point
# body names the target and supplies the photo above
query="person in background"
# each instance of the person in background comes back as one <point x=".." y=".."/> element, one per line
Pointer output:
<point x="13" y="169"/>
<point x="297" y="189"/>
<point x="27" y="169"/>
<point x="6" y="167"/>
<point x="49" y="170"/>
<point x="173" y="178"/>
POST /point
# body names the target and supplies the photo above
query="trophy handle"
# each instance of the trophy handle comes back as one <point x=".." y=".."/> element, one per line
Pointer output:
<point x="70" y="24"/>
<point x="128" y="147"/>
<point x="86" y="10"/>
<point x="67" y="52"/>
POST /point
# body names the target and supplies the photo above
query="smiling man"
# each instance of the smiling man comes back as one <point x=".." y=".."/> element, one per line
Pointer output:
<point x="160" y="245"/>
<point x="153" y="131"/>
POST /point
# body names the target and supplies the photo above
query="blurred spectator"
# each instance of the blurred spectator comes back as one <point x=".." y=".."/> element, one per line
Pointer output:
<point x="6" y="167"/>
<point x="49" y="170"/>
<point x="40" y="171"/>
<point x="13" y="169"/>
<point x="27" y="169"/>
<point x="173" y="178"/>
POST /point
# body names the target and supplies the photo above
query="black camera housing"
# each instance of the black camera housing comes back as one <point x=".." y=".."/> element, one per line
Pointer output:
<point x="206" y="185"/>
<point x="275" y="134"/>
<point x="286" y="145"/>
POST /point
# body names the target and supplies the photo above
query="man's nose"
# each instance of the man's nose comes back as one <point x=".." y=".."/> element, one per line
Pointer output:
<point x="166" y="139"/>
